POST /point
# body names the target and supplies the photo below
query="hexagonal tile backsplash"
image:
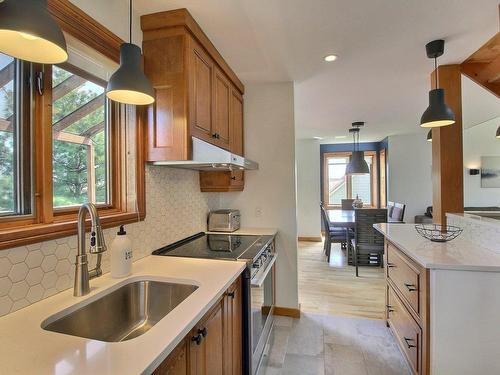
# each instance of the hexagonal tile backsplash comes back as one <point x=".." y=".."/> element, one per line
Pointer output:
<point x="175" y="208"/>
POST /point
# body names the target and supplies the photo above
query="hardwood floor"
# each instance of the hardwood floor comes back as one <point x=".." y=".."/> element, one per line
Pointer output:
<point x="333" y="289"/>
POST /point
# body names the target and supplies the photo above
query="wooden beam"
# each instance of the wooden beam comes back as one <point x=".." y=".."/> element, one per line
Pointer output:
<point x="483" y="66"/>
<point x="5" y="125"/>
<point x="80" y="113"/>
<point x="6" y="74"/>
<point x="93" y="130"/>
<point x="67" y="86"/>
<point x="447" y="150"/>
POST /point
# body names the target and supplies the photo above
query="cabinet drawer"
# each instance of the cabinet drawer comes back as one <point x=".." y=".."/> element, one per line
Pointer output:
<point x="408" y="333"/>
<point x="405" y="275"/>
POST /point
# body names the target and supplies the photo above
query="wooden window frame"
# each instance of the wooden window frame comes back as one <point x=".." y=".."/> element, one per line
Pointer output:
<point x="45" y="222"/>
<point x="373" y="174"/>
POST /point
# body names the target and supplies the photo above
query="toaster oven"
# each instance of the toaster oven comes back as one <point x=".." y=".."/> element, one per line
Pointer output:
<point x="224" y="220"/>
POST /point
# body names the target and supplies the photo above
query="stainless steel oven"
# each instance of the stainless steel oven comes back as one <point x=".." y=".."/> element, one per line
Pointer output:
<point x="262" y="301"/>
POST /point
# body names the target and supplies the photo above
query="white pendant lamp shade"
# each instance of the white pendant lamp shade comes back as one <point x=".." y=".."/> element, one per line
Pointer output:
<point x="28" y="32"/>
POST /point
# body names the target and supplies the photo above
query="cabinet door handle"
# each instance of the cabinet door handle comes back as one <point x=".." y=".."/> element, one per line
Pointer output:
<point x="203" y="332"/>
<point x="233" y="178"/>
<point x="411" y="287"/>
<point x="230" y="294"/>
<point x="389" y="308"/>
<point x="408" y="341"/>
<point x="214" y="135"/>
<point x="197" y="339"/>
<point x="391" y="265"/>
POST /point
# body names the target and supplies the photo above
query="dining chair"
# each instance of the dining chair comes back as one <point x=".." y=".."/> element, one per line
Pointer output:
<point x="398" y="212"/>
<point x="332" y="234"/>
<point x="390" y="207"/>
<point x="347" y="204"/>
<point x="368" y="244"/>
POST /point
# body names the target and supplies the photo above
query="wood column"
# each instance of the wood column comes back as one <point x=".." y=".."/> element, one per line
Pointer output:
<point x="447" y="149"/>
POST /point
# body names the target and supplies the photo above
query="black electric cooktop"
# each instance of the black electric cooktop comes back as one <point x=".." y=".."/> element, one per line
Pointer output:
<point x="217" y="246"/>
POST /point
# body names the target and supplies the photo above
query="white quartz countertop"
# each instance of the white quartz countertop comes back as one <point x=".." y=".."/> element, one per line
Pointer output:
<point x="458" y="254"/>
<point x="251" y="232"/>
<point x="28" y="349"/>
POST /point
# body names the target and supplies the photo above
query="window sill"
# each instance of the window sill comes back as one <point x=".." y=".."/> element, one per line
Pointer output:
<point x="28" y="234"/>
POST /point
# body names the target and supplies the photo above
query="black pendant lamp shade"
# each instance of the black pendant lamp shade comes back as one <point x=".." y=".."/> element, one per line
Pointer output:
<point x="429" y="136"/>
<point x="357" y="165"/>
<point x="28" y="32"/>
<point x="438" y="113"/>
<point x="129" y="84"/>
<point x="498" y="133"/>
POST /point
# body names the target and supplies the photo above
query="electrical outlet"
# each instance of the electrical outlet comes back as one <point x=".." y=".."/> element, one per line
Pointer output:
<point x="258" y="212"/>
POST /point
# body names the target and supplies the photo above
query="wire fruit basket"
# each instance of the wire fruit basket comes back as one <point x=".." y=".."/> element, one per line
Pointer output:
<point x="437" y="232"/>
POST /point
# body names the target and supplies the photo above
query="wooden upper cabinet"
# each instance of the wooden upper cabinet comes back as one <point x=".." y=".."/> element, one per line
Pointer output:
<point x="197" y="93"/>
<point x="236" y="126"/>
<point x="200" y="100"/>
<point x="221" y="105"/>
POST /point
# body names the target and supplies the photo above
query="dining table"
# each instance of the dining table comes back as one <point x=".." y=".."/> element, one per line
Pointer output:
<point x="346" y="219"/>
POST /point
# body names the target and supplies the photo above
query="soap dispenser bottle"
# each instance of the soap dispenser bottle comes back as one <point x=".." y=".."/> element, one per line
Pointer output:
<point x="121" y="255"/>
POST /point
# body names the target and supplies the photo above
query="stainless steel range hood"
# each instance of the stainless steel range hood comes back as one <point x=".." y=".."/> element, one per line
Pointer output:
<point x="207" y="157"/>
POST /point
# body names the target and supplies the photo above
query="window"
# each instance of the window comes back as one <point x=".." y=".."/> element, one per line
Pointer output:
<point x="338" y="186"/>
<point x="15" y="140"/>
<point x="62" y="143"/>
<point x="80" y="130"/>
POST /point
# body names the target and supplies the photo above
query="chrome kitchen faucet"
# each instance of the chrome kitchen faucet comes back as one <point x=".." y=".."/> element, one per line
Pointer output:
<point x="97" y="246"/>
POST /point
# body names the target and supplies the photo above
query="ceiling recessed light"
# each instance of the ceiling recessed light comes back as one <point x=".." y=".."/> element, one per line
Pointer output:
<point x="330" y="58"/>
<point x="318" y="138"/>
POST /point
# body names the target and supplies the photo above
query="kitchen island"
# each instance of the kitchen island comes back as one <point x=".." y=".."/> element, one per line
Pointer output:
<point x="29" y="349"/>
<point x="443" y="302"/>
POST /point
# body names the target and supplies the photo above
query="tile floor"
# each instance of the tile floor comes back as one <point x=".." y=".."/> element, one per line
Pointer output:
<point x="332" y="345"/>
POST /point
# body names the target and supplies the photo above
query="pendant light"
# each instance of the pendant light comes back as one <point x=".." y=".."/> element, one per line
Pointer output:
<point x="429" y="136"/>
<point x="498" y="133"/>
<point x="357" y="164"/>
<point x="129" y="84"/>
<point x="438" y="113"/>
<point x="28" y="32"/>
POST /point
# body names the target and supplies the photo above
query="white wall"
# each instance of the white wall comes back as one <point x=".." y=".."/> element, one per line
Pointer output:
<point x="480" y="141"/>
<point x="269" y="196"/>
<point x="410" y="173"/>
<point x="308" y="188"/>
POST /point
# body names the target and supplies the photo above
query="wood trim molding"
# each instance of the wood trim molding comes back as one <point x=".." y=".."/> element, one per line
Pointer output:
<point x="182" y="18"/>
<point x="310" y="239"/>
<point x="287" y="311"/>
<point x="79" y="24"/>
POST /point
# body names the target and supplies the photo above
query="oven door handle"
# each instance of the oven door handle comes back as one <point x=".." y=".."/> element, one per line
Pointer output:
<point x="258" y="280"/>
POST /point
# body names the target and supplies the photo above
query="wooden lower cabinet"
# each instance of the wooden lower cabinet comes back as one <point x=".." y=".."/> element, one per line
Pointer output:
<point x="407" y="307"/>
<point x="214" y="345"/>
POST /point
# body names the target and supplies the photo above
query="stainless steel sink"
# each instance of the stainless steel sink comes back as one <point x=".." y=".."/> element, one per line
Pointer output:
<point x="123" y="314"/>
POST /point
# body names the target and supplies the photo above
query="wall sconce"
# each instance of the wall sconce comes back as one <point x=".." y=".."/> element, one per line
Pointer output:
<point x="473" y="172"/>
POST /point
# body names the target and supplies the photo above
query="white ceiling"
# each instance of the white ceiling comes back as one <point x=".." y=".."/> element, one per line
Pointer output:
<point x="382" y="74"/>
